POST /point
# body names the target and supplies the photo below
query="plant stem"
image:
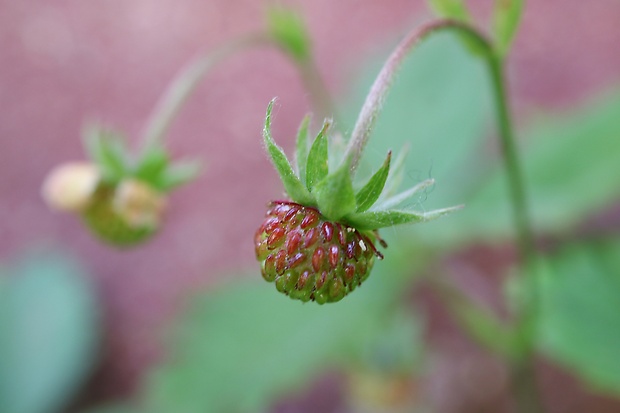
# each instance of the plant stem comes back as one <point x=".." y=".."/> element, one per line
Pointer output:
<point x="319" y="94"/>
<point x="380" y="88"/>
<point x="185" y="82"/>
<point x="522" y="366"/>
<point x="523" y="372"/>
<point x="188" y="78"/>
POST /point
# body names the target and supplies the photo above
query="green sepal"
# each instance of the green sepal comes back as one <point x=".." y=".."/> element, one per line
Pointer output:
<point x="396" y="175"/>
<point x="451" y="9"/>
<point x="288" y="29"/>
<point x="292" y="184"/>
<point x="381" y="219"/>
<point x="301" y="148"/>
<point x="506" y="16"/>
<point x="317" y="166"/>
<point x="177" y="174"/>
<point x="335" y="195"/>
<point x="405" y="195"/>
<point x="369" y="194"/>
<point x="152" y="165"/>
<point x="107" y="149"/>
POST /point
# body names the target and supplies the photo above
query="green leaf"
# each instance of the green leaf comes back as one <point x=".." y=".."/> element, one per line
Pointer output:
<point x="288" y="29"/>
<point x="570" y="163"/>
<point x="440" y="85"/>
<point x="108" y="150"/>
<point x="404" y="196"/>
<point x="367" y="196"/>
<point x="451" y="9"/>
<point x="177" y="174"/>
<point x="381" y="219"/>
<point x="317" y="167"/>
<point x="293" y="186"/>
<point x="239" y="348"/>
<point x="506" y="16"/>
<point x="580" y="312"/>
<point x="480" y="322"/>
<point x="49" y="328"/>
<point x="335" y="195"/>
<point x="301" y="148"/>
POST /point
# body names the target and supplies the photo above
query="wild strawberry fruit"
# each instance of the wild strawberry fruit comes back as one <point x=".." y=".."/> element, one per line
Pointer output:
<point x="320" y="245"/>
<point x="310" y="258"/>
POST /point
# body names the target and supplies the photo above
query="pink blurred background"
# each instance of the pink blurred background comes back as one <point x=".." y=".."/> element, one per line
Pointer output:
<point x="68" y="61"/>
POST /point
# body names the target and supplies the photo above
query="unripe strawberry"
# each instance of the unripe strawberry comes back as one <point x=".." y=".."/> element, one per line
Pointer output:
<point x="310" y="258"/>
<point x="320" y="245"/>
<point x="126" y="214"/>
<point x="121" y="198"/>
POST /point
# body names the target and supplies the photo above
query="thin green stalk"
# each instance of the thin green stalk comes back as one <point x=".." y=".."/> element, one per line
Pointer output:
<point x="186" y="82"/>
<point x="522" y="364"/>
<point x="188" y="79"/>
<point x="319" y="94"/>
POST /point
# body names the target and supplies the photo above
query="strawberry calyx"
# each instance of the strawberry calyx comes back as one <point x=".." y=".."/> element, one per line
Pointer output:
<point x="327" y="263"/>
<point x="311" y="183"/>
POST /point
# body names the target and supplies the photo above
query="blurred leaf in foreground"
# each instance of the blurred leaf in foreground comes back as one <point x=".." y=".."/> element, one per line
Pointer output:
<point x="239" y="348"/>
<point x="440" y="106"/>
<point x="571" y="167"/>
<point x="580" y="312"/>
<point x="48" y="333"/>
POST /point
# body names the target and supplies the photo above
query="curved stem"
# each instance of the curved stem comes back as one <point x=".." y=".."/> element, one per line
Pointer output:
<point x="380" y="88"/>
<point x="188" y="78"/>
<point x="522" y="366"/>
<point x="185" y="82"/>
<point x="319" y="94"/>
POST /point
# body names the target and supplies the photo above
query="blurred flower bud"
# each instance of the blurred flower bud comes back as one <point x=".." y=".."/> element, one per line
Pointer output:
<point x="71" y="186"/>
<point x="139" y="204"/>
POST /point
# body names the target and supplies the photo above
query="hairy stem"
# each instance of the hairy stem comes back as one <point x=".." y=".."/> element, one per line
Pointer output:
<point x="380" y="88"/>
<point x="522" y="365"/>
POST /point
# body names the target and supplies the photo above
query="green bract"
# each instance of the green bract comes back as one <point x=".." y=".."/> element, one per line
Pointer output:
<point x="108" y="150"/>
<point x="312" y="184"/>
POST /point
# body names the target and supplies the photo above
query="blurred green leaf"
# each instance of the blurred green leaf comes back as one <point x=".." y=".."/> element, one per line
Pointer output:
<point x="107" y="149"/>
<point x="177" y="174"/>
<point x="580" y="312"/>
<point x="238" y="348"/>
<point x="571" y="167"/>
<point x="393" y="345"/>
<point x="152" y="164"/>
<point x="570" y="161"/>
<point x="452" y="9"/>
<point x="506" y="16"/>
<point x="48" y="333"/>
<point x="439" y="106"/>
<point x="288" y="29"/>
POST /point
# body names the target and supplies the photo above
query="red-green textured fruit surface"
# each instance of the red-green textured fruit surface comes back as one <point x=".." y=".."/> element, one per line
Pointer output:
<point x="310" y="258"/>
<point x="108" y="225"/>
